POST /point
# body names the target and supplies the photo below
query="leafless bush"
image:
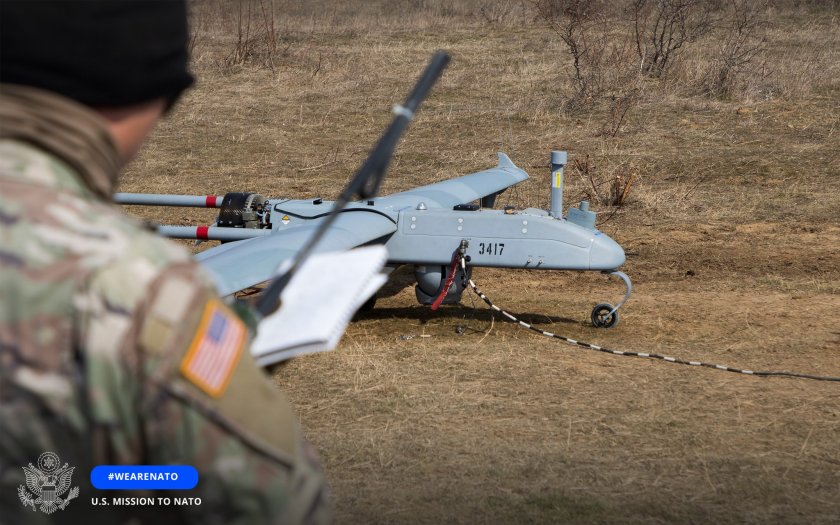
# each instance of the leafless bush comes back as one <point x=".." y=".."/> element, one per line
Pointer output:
<point x="742" y="43"/>
<point x="579" y="24"/>
<point x="662" y="27"/>
<point x="600" y="54"/>
<point x="603" y="189"/>
<point x="619" y="106"/>
<point x="496" y="12"/>
<point x="243" y="50"/>
<point x="195" y="28"/>
<point x="269" y="31"/>
<point x="256" y="40"/>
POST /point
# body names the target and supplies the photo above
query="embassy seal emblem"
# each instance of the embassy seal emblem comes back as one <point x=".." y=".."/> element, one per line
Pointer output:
<point x="47" y="483"/>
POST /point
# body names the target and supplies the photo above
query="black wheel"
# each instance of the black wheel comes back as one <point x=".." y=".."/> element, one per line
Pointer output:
<point x="600" y="317"/>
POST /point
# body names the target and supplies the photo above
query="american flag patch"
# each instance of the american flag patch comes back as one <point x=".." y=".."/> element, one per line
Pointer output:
<point x="215" y="349"/>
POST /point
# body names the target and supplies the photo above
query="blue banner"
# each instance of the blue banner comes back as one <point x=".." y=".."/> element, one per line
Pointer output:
<point x="144" y="477"/>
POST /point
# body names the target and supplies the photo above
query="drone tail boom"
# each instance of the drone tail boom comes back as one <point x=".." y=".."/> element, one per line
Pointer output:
<point x="157" y="199"/>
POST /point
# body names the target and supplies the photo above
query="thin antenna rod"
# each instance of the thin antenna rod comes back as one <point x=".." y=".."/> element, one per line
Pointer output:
<point x="367" y="180"/>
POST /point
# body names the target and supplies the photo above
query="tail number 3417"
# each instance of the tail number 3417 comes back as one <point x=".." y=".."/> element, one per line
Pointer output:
<point x="491" y="248"/>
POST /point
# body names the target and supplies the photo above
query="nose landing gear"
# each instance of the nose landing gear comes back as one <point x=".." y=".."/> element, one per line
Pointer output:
<point x="605" y="315"/>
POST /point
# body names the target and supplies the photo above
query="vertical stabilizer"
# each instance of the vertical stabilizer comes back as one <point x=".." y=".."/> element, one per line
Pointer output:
<point x="504" y="161"/>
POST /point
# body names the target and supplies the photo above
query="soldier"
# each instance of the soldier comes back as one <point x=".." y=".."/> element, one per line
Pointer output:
<point x="113" y="346"/>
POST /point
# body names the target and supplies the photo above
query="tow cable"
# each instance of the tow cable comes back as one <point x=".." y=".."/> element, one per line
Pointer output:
<point x="589" y="346"/>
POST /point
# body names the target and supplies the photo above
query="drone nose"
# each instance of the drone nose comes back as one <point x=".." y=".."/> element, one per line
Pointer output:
<point x="605" y="254"/>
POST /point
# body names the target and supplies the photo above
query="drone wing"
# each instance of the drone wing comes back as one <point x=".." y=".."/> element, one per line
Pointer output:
<point x="461" y="190"/>
<point x="240" y="264"/>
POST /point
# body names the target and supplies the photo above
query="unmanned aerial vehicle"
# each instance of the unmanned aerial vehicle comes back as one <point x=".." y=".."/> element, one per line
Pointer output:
<point x="423" y="227"/>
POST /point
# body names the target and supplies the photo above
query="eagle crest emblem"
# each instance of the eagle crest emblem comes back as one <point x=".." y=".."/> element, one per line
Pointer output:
<point x="46" y="483"/>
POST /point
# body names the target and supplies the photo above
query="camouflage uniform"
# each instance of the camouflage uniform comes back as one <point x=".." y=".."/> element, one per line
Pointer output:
<point x="97" y="321"/>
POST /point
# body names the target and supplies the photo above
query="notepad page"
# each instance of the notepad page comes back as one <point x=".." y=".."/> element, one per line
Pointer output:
<point x="318" y="303"/>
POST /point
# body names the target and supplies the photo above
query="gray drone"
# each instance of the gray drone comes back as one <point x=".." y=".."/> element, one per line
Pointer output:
<point x="426" y="227"/>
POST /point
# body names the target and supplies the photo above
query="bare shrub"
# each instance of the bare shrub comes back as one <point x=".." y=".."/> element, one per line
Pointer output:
<point x="619" y="106"/>
<point x="605" y="189"/>
<point x="620" y="189"/>
<point x="599" y="49"/>
<point x="502" y="12"/>
<point x="581" y="25"/>
<point x="662" y="27"/>
<point x="742" y="43"/>
<point x="195" y="28"/>
<point x="256" y="35"/>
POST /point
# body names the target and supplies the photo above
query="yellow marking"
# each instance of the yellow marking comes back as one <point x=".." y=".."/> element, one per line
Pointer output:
<point x="558" y="179"/>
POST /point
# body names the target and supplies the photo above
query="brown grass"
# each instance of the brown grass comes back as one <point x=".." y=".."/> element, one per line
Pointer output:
<point x="733" y="239"/>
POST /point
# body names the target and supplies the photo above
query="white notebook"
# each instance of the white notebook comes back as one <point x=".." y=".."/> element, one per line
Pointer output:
<point x="318" y="303"/>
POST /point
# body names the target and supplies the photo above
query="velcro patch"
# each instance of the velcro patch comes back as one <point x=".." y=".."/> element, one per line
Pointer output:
<point x="215" y="349"/>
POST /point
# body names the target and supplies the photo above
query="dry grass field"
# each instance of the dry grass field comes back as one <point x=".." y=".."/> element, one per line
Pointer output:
<point x="731" y="226"/>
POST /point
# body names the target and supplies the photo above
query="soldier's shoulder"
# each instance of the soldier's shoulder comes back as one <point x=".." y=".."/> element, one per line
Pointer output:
<point x="68" y="234"/>
<point x="135" y="257"/>
<point x="28" y="163"/>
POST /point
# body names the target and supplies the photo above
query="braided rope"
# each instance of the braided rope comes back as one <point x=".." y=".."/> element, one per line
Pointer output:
<point x="661" y="357"/>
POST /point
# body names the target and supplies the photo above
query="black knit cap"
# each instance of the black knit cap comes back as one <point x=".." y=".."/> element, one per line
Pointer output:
<point x="102" y="53"/>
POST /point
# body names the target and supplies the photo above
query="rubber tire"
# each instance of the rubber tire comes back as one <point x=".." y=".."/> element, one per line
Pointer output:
<point x="598" y="313"/>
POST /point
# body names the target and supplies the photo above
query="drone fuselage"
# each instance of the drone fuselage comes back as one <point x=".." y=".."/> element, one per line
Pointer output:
<point x="528" y="238"/>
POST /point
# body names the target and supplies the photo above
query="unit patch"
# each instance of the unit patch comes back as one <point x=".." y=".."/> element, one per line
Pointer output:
<point x="215" y="349"/>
